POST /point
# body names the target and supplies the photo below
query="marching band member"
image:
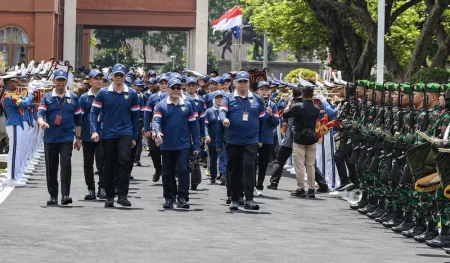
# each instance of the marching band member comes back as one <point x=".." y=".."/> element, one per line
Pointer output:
<point x="60" y="117"/>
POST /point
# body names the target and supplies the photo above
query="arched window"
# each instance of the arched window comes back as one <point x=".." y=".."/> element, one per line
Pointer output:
<point x="14" y="45"/>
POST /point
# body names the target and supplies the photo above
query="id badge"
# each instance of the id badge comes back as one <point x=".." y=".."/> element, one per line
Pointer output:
<point x="58" y="120"/>
<point x="245" y="116"/>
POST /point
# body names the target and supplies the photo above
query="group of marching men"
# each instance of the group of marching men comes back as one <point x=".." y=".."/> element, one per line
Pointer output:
<point x="393" y="140"/>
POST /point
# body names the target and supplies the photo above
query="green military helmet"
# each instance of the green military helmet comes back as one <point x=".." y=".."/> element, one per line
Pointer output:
<point x="363" y="83"/>
<point x="419" y="87"/>
<point x="433" y="88"/>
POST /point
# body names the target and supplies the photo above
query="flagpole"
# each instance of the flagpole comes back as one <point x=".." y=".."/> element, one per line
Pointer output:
<point x="380" y="41"/>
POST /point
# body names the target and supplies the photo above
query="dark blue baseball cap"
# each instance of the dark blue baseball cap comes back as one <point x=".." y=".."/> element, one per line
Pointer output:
<point x="191" y="80"/>
<point x="205" y="78"/>
<point x="60" y="74"/>
<point x="119" y="68"/>
<point x="152" y="81"/>
<point x="164" y="77"/>
<point x="174" y="81"/>
<point x="183" y="78"/>
<point x="131" y="74"/>
<point x="94" y="73"/>
<point x="219" y="93"/>
<point x="175" y="75"/>
<point x="128" y="80"/>
<point x="214" y="80"/>
<point x="226" y="76"/>
<point x="242" y="75"/>
<point x="151" y="72"/>
<point x="262" y="84"/>
<point x="138" y="82"/>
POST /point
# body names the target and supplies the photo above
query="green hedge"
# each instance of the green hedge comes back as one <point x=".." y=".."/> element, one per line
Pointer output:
<point x="431" y="75"/>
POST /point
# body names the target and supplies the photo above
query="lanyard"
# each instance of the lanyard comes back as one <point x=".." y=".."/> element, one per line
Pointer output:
<point x="245" y="107"/>
<point x="61" y="108"/>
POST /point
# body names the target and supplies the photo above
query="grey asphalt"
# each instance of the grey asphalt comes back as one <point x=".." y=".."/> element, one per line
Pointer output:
<point x="286" y="229"/>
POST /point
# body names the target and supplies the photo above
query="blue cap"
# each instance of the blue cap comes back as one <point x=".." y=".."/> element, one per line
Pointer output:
<point x="242" y="75"/>
<point x="138" y="82"/>
<point x="205" y="78"/>
<point x="191" y="80"/>
<point x="60" y="74"/>
<point x="215" y="80"/>
<point x="128" y="80"/>
<point x="105" y="77"/>
<point x="94" y="73"/>
<point x="262" y="84"/>
<point x="174" y="81"/>
<point x="175" y="75"/>
<point x="119" y="68"/>
<point x="163" y="77"/>
<point x="151" y="72"/>
<point x="219" y="93"/>
<point x="131" y="74"/>
<point x="183" y="78"/>
<point x="226" y="76"/>
<point x="132" y="68"/>
<point x="152" y="81"/>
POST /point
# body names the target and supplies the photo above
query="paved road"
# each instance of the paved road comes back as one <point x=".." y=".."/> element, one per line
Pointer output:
<point x="285" y="229"/>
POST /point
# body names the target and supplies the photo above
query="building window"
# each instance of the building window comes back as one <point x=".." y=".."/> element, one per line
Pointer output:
<point x="14" y="45"/>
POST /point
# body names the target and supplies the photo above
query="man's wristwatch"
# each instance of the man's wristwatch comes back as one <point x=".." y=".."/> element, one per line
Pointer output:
<point x="78" y="137"/>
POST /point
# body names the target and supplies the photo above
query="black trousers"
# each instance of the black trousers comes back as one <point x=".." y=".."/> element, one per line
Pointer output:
<point x="176" y="162"/>
<point x="91" y="151"/>
<point x="155" y="153"/>
<point x="241" y="166"/>
<point x="283" y="155"/>
<point x="137" y="156"/>
<point x="58" y="154"/>
<point x="117" y="157"/>
<point x="134" y="153"/>
<point x="264" y="154"/>
<point x="341" y="158"/>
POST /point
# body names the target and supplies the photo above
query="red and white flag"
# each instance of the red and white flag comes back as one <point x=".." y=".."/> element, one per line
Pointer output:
<point x="229" y="20"/>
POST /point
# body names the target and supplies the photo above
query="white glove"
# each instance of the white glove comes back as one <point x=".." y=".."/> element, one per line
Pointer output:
<point x="321" y="98"/>
<point x="31" y="89"/>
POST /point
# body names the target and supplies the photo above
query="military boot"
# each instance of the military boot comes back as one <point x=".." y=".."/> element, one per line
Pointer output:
<point x="388" y="215"/>
<point x="370" y="207"/>
<point x="407" y="224"/>
<point x="442" y="240"/>
<point x="395" y="220"/>
<point x="362" y="203"/>
<point x="381" y="209"/>
<point x="429" y="234"/>
<point x="419" y="228"/>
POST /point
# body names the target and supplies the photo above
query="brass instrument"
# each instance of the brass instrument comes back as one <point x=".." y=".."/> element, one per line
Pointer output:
<point x="42" y="88"/>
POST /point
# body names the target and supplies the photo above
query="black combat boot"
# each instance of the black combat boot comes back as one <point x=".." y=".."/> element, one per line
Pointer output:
<point x="396" y="220"/>
<point x="429" y="234"/>
<point x="388" y="215"/>
<point x="442" y="240"/>
<point x="379" y="211"/>
<point x="419" y="228"/>
<point x="407" y="224"/>
<point x="370" y="207"/>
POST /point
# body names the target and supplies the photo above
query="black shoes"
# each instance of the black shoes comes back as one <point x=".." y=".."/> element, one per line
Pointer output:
<point x="377" y="213"/>
<point x="234" y="205"/>
<point x="404" y="226"/>
<point x="368" y="209"/>
<point x="194" y="187"/>
<point x="213" y="181"/>
<point x="90" y="195"/>
<point x="346" y="186"/>
<point x="131" y="177"/>
<point x="362" y="203"/>
<point x="101" y="194"/>
<point x="241" y="201"/>
<point x="123" y="201"/>
<point x="418" y="229"/>
<point x="311" y="193"/>
<point x="52" y="201"/>
<point x="228" y="201"/>
<point x="168" y="204"/>
<point x="272" y="187"/>
<point x="138" y="163"/>
<point x="299" y="193"/>
<point x="182" y="203"/>
<point x="223" y="179"/>
<point x="443" y="240"/>
<point x="156" y="177"/>
<point x="323" y="189"/>
<point x="65" y="200"/>
<point x="109" y="202"/>
<point x="427" y="235"/>
<point x="251" y="205"/>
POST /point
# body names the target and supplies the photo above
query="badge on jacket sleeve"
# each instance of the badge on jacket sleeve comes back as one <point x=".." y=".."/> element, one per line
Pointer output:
<point x="183" y="108"/>
<point x="125" y="96"/>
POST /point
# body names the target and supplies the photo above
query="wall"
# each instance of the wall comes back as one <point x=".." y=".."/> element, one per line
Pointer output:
<point x="275" y="67"/>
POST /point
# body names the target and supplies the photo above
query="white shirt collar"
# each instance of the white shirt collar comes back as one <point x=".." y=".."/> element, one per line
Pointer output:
<point x="125" y="88"/>
<point x="250" y="95"/>
<point x="67" y="95"/>
<point x="181" y="102"/>
<point x="90" y="92"/>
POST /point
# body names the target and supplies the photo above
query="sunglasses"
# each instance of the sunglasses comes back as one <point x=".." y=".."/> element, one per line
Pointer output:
<point x="175" y="88"/>
<point x="228" y="80"/>
<point x="119" y="75"/>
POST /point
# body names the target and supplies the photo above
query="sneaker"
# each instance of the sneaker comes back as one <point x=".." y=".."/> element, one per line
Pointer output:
<point x="213" y="181"/>
<point x="291" y="169"/>
<point x="28" y="171"/>
<point x="311" y="193"/>
<point x="123" y="201"/>
<point x="101" y="194"/>
<point x="344" y="186"/>
<point x="90" y="195"/>
<point x="137" y="163"/>
<point x="241" y="201"/>
<point x="208" y="174"/>
<point x="25" y="180"/>
<point x="259" y="193"/>
<point x="168" y="204"/>
<point x="52" y="201"/>
<point x="272" y="187"/>
<point x="182" y="203"/>
<point x="287" y="166"/>
<point x="16" y="183"/>
<point x="234" y="205"/>
<point x="250" y="204"/>
<point x="292" y="172"/>
<point x="228" y="201"/>
<point x="299" y="193"/>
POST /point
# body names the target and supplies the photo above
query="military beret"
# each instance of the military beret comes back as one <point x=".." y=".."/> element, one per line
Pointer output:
<point x="445" y="87"/>
<point x="378" y="86"/>
<point x="419" y="87"/>
<point x="363" y="83"/>
<point x="391" y="86"/>
<point x="433" y="88"/>
<point x="405" y="88"/>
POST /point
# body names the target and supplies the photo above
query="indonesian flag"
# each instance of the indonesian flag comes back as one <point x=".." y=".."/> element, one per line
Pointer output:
<point x="229" y="20"/>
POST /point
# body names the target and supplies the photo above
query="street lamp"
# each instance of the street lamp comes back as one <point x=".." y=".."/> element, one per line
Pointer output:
<point x="173" y="61"/>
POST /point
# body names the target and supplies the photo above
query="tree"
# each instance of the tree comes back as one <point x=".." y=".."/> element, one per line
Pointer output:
<point x="174" y="41"/>
<point x="349" y="29"/>
<point x="114" y="39"/>
<point x="108" y="56"/>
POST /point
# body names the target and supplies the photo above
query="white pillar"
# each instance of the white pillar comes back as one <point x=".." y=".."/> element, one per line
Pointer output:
<point x="380" y="41"/>
<point x="266" y="52"/>
<point x="201" y="37"/>
<point x="70" y="22"/>
<point x="190" y="50"/>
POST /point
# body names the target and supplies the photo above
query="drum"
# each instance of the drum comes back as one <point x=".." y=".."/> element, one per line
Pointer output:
<point x="423" y="167"/>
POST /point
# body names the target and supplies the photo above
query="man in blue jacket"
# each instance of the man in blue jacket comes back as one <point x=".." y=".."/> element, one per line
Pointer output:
<point x="92" y="149"/>
<point x="60" y="117"/>
<point x="15" y="109"/>
<point x="174" y="119"/>
<point x="119" y="109"/>
<point x="269" y="123"/>
<point x="241" y="114"/>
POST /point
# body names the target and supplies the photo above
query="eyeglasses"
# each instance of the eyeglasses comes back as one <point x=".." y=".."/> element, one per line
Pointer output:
<point x="228" y="80"/>
<point x="175" y="88"/>
<point x="119" y="75"/>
